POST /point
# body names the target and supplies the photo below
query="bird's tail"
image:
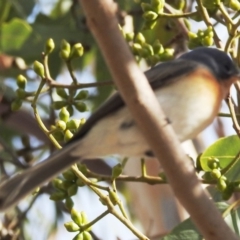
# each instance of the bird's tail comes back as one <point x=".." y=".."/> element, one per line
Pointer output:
<point x="17" y="187"/>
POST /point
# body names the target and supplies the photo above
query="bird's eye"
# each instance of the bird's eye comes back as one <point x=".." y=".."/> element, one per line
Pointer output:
<point x="227" y="67"/>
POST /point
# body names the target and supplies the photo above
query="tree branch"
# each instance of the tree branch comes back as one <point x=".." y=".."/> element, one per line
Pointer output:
<point x="146" y="111"/>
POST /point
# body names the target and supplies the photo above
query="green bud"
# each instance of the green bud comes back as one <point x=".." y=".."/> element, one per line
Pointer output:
<point x="213" y="163"/>
<point x="117" y="170"/>
<point x="71" y="226"/>
<point x="221" y="184"/>
<point x="200" y="33"/>
<point x="84" y="219"/>
<point x="68" y="135"/>
<point x="58" y="196"/>
<point x="157" y="5"/>
<point x="216" y="174"/>
<point x="129" y="36"/>
<point x="70" y="109"/>
<point x="150" y="15"/>
<point x="65" y="46"/>
<point x="76" y="217"/>
<point x="86" y="236"/>
<point x="58" y="136"/>
<point x="77" y="50"/>
<point x="62" y="93"/>
<point x="140" y="38"/>
<point x="64" y="114"/>
<point x="66" y="184"/>
<point x="20" y="93"/>
<point x="38" y="69"/>
<point x="80" y="183"/>
<point x="80" y="106"/>
<point x="69" y="175"/>
<point x="153" y="59"/>
<point x="234" y="5"/>
<point x="83" y="121"/>
<point x="59" y="104"/>
<point x="146" y="7"/>
<point x="64" y="55"/>
<point x="158" y="47"/>
<point x="209" y="32"/>
<point x="72" y="191"/>
<point x="56" y="182"/>
<point x="79" y="236"/>
<point x="21" y="81"/>
<point x="113" y="197"/>
<point x="16" y="104"/>
<point x="49" y="46"/>
<point x="82" y="168"/>
<point x="73" y="124"/>
<point x="69" y="203"/>
<point x="83" y="94"/>
<point x="149" y="49"/>
<point x="149" y="24"/>
<point x="167" y="54"/>
<point x="61" y="125"/>
<point x="192" y="35"/>
<point x="136" y="48"/>
<point x="207" y="41"/>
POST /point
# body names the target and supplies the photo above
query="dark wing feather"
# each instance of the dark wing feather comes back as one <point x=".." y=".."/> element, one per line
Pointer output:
<point x="159" y="76"/>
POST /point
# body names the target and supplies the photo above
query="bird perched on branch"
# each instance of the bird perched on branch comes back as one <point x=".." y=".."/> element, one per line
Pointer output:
<point x="189" y="89"/>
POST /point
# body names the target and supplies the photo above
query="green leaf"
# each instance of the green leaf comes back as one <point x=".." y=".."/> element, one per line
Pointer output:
<point x="187" y="230"/>
<point x="14" y="34"/>
<point x="225" y="149"/>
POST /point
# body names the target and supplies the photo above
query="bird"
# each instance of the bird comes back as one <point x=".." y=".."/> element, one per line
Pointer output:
<point x="190" y="90"/>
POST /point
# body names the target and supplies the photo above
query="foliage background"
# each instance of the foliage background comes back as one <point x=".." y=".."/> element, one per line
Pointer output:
<point x="24" y="28"/>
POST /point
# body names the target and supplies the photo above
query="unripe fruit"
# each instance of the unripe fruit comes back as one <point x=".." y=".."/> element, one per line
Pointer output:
<point x="77" y="50"/>
<point x="80" y="106"/>
<point x="21" y="81"/>
<point x="72" y="191"/>
<point x="64" y="114"/>
<point x="69" y="203"/>
<point x="83" y="94"/>
<point x="16" y="104"/>
<point x="49" y="46"/>
<point x="76" y="217"/>
<point x="61" y="125"/>
<point x="216" y="174"/>
<point x="86" y="236"/>
<point x="150" y="15"/>
<point x="68" y="135"/>
<point x="62" y="93"/>
<point x="58" y="196"/>
<point x="71" y="226"/>
<point x="39" y="69"/>
<point x="69" y="175"/>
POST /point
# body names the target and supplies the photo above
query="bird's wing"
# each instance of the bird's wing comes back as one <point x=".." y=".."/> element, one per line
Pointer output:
<point x="159" y="76"/>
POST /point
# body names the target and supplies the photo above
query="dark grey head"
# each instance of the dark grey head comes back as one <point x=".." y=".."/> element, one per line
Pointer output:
<point x="217" y="61"/>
